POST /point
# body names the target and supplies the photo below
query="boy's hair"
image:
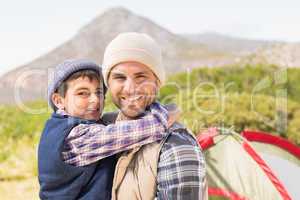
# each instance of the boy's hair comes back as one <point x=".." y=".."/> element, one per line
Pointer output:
<point x="72" y="69"/>
<point x="90" y="74"/>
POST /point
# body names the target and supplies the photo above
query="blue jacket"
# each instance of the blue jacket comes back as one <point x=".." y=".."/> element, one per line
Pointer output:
<point x="61" y="181"/>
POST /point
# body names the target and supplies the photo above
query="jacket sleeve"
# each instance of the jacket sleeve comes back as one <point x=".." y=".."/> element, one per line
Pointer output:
<point x="89" y="143"/>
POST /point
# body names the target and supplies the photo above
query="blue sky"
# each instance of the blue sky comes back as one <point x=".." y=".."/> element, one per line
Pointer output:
<point x="31" y="28"/>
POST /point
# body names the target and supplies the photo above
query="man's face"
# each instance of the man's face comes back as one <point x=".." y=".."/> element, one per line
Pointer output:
<point x="133" y="87"/>
<point x="84" y="98"/>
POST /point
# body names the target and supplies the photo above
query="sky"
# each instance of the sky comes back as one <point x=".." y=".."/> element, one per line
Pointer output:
<point x="31" y="28"/>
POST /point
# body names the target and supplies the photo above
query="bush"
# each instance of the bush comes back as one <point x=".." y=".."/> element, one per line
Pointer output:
<point x="240" y="111"/>
<point x="266" y="80"/>
<point x="20" y="131"/>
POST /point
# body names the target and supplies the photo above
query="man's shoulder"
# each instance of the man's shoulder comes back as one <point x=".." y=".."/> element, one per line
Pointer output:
<point x="179" y="147"/>
<point x="181" y="166"/>
<point x="180" y="135"/>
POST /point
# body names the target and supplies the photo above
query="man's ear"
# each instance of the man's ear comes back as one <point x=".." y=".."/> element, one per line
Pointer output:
<point x="58" y="101"/>
<point x="158" y="86"/>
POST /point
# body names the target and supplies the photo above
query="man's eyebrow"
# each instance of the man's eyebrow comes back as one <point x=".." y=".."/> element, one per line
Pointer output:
<point x="140" y="73"/>
<point x="117" y="73"/>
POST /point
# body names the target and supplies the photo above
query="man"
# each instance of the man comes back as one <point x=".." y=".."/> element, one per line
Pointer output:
<point x="171" y="169"/>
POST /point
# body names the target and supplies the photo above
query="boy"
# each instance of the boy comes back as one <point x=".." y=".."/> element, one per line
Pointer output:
<point x="77" y="95"/>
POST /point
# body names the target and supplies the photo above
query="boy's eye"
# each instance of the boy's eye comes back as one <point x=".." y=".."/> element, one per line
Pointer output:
<point x="99" y="93"/>
<point x="83" y="94"/>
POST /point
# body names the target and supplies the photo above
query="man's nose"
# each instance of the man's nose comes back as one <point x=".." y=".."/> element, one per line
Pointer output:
<point x="129" y="86"/>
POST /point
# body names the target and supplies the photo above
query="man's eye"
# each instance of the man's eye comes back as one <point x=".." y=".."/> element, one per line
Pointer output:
<point x="119" y="78"/>
<point x="140" y="78"/>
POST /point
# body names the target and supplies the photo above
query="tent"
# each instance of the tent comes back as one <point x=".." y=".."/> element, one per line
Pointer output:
<point x="251" y="165"/>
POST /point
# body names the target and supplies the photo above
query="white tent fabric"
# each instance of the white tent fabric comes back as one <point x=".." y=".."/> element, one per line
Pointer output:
<point x="288" y="172"/>
<point x="229" y="167"/>
<point x="253" y="170"/>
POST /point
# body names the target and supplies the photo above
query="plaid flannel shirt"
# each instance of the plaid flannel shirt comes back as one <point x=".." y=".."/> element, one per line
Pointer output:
<point x="88" y="143"/>
<point x="181" y="168"/>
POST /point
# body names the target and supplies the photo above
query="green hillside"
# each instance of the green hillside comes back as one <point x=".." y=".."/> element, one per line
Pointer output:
<point x="262" y="98"/>
<point x="265" y="98"/>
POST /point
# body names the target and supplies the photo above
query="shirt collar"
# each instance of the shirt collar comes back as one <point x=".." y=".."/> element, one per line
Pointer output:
<point x="61" y="112"/>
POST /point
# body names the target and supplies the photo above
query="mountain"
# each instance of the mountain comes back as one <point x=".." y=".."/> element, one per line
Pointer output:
<point x="280" y="53"/>
<point x="180" y="52"/>
<point x="29" y="81"/>
<point x="246" y="51"/>
<point x="220" y="42"/>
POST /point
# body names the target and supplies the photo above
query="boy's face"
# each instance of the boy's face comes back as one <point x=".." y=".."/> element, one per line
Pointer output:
<point x="84" y="98"/>
<point x="133" y="87"/>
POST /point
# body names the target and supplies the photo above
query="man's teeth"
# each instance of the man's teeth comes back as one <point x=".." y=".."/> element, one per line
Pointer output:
<point x="134" y="98"/>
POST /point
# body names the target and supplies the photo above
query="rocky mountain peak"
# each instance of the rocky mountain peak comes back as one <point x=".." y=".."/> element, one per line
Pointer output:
<point x="179" y="51"/>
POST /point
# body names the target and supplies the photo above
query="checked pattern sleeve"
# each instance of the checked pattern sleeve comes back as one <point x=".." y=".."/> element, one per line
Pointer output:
<point x="181" y="169"/>
<point x="88" y="143"/>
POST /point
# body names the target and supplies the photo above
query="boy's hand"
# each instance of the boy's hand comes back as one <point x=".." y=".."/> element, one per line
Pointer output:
<point x="173" y="114"/>
<point x="167" y="114"/>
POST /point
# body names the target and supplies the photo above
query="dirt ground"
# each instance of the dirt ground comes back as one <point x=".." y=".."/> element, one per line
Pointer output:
<point x="26" y="189"/>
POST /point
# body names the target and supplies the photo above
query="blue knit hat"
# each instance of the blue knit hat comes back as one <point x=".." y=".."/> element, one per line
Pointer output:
<point x="64" y="70"/>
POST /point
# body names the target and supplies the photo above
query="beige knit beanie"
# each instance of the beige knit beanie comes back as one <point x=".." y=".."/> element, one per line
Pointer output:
<point x="132" y="46"/>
